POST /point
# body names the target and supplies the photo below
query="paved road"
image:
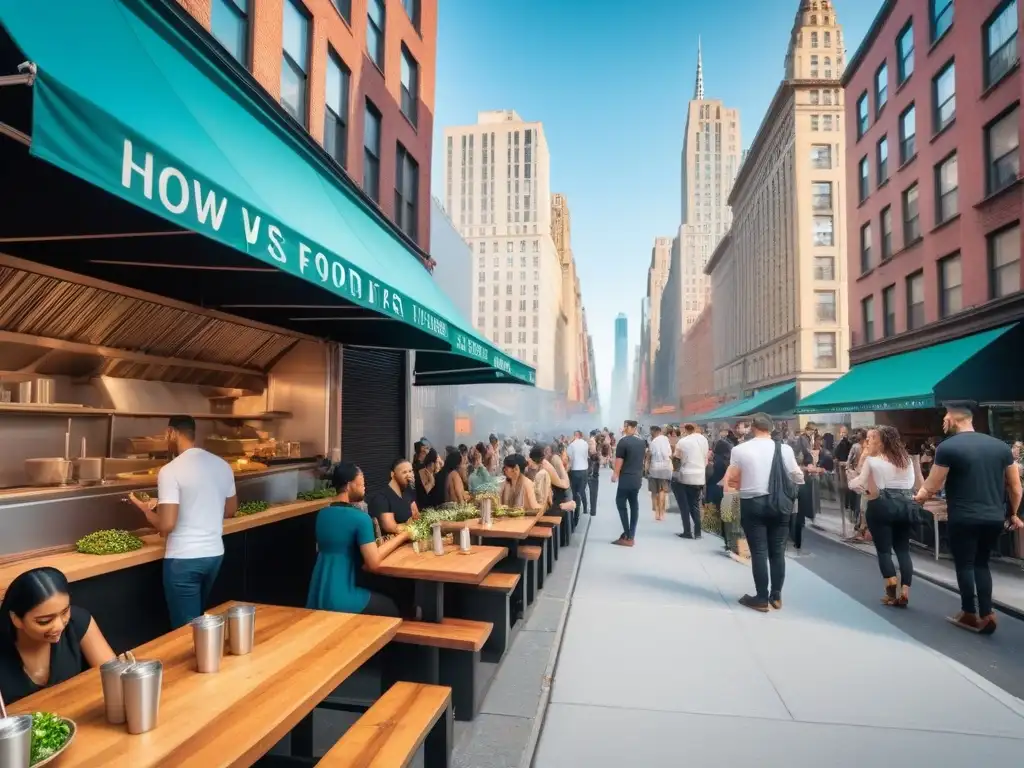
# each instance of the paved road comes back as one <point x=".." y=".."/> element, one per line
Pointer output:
<point x="999" y="658"/>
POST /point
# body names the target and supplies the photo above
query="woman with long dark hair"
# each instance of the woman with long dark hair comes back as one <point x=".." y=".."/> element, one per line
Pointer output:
<point x="887" y="481"/>
<point x="428" y="492"/>
<point x="450" y="478"/>
<point x="44" y="640"/>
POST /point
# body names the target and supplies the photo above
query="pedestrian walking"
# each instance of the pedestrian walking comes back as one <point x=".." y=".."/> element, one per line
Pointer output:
<point x="887" y="481"/>
<point x="765" y="507"/>
<point x="659" y="471"/>
<point x="983" y="494"/>
<point x="688" y="482"/>
<point x="628" y="473"/>
<point x="578" y="454"/>
<point x="594" y="469"/>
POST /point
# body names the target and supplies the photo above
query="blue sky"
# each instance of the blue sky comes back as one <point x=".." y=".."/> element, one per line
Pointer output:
<point x="610" y="81"/>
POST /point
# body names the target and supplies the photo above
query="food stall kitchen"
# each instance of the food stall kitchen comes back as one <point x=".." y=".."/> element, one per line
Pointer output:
<point x="173" y="242"/>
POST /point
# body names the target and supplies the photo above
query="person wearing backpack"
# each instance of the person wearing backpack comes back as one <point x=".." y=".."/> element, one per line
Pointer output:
<point x="765" y="473"/>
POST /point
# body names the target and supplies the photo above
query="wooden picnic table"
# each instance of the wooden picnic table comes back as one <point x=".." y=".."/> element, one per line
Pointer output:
<point x="501" y="528"/>
<point x="230" y="718"/>
<point x="431" y="571"/>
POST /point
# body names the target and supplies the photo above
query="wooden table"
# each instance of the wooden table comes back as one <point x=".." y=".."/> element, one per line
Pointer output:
<point x="501" y="528"/>
<point x="233" y="717"/>
<point x="431" y="571"/>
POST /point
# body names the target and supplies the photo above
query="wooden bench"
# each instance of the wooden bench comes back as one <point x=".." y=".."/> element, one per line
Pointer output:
<point x="554" y="524"/>
<point x="534" y="557"/>
<point x="544" y="536"/>
<point x="491" y="601"/>
<point x="388" y="735"/>
<point x="443" y="653"/>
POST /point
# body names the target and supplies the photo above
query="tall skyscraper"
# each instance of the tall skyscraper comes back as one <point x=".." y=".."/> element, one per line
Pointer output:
<point x="621" y="342"/>
<point x="621" y="383"/>
<point x="497" y="191"/>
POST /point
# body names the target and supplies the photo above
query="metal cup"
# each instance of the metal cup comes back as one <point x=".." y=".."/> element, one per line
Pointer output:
<point x="437" y="540"/>
<point x="464" y="542"/>
<point x="241" y="629"/>
<point x="15" y="741"/>
<point x="113" y="689"/>
<point x="486" y="510"/>
<point x="142" y="684"/>
<point x="208" y="639"/>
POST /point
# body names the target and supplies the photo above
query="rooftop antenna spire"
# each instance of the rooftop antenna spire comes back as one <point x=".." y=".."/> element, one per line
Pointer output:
<point x="698" y="90"/>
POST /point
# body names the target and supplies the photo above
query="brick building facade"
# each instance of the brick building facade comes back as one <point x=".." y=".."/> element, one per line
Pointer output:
<point x="358" y="75"/>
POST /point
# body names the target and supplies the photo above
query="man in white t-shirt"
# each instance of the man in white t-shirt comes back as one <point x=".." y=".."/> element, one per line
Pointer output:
<point x="659" y="471"/>
<point x="765" y="528"/>
<point x="692" y="452"/>
<point x="195" y="494"/>
<point x="578" y="453"/>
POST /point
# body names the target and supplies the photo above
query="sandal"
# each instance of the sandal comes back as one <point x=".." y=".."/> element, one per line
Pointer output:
<point x="890" y="598"/>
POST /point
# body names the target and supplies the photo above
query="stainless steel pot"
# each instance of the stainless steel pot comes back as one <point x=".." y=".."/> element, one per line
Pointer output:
<point x="47" y="471"/>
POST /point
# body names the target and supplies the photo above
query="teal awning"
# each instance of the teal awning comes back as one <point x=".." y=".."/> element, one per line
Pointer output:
<point x="127" y="99"/>
<point x="775" y="401"/>
<point x="978" y="367"/>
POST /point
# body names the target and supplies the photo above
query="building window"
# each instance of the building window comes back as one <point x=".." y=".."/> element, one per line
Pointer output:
<point x="862" y="114"/>
<point x="908" y="134"/>
<point x="1002" y="151"/>
<point x="412" y="10"/>
<point x="1004" y="261"/>
<point x="868" y="316"/>
<point x="865" y="248"/>
<point x="886" y="233"/>
<point x="881" y="87"/>
<point x="864" y="181"/>
<point x="336" y="112"/>
<point x="821" y="156"/>
<point x="826" y="122"/>
<point x="946" y="190"/>
<point x="814" y="67"/>
<point x="410" y="86"/>
<point x="950" y="286"/>
<point x="905" y="53"/>
<point x="915" y="301"/>
<point x="815" y="97"/>
<point x="944" y="96"/>
<point x="1000" y="35"/>
<point x="371" y="152"/>
<point x="823" y="230"/>
<point x="824" y="268"/>
<point x="889" y="311"/>
<point x="229" y="23"/>
<point x="814" y="39"/>
<point x="825" y="306"/>
<point x="295" y="60"/>
<point x="911" y="216"/>
<point x="821" y="192"/>
<point x="882" y="160"/>
<point x="824" y="350"/>
<point x="814" y="122"/>
<point x="375" y="32"/>
<point x="941" y="14"/>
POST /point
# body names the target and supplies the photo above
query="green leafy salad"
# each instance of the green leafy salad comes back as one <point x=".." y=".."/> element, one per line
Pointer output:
<point x="49" y="734"/>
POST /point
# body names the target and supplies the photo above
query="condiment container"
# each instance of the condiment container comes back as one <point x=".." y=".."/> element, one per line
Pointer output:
<point x="208" y="639"/>
<point x="15" y="741"/>
<point x="435" y="530"/>
<point x="464" y="542"/>
<point x="241" y="629"/>
<point x="113" y="689"/>
<point x="50" y="471"/>
<point x="142" y="685"/>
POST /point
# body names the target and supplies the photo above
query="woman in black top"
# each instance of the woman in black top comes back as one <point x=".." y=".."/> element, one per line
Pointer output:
<point x="429" y="493"/>
<point x="44" y="640"/>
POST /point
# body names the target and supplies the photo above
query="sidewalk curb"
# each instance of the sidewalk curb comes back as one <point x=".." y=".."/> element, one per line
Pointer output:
<point x="1009" y="610"/>
<point x="529" y="752"/>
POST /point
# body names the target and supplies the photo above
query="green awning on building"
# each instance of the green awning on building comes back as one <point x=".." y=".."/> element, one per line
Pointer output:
<point x="126" y="100"/>
<point x="978" y="367"/>
<point x="775" y="401"/>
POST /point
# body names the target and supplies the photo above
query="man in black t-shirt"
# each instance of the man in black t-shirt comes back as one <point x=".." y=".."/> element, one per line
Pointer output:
<point x="628" y="473"/>
<point x="395" y="505"/>
<point x="983" y="494"/>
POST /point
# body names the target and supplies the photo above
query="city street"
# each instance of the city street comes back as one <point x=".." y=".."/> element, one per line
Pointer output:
<point x="997" y="658"/>
<point x="659" y="664"/>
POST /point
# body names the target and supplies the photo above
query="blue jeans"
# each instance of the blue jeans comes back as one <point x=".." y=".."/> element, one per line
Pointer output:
<point x="187" y="586"/>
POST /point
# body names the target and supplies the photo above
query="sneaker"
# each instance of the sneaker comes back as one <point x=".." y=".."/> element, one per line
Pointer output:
<point x="621" y="540"/>
<point x="685" y="535"/>
<point x="775" y="601"/>
<point x="754" y="604"/>
<point x="627" y="542"/>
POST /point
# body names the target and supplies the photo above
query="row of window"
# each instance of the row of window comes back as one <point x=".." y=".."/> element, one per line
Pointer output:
<point x="999" y="46"/>
<point x="521" y="354"/>
<point x="482" y="275"/>
<point x="1003" y="278"/>
<point x="1002" y="168"/>
<point x="482" y="307"/>
<point x="230" y="24"/>
<point x="481" y="291"/>
<point x="509" y="261"/>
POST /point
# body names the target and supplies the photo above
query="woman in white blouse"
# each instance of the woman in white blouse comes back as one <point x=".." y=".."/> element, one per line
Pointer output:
<point x="887" y="481"/>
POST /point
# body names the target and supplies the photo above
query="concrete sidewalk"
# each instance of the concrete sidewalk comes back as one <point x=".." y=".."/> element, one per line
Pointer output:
<point x="659" y="666"/>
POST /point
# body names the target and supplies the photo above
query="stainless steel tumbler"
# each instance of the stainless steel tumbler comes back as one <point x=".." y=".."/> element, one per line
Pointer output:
<point x="15" y="741"/>
<point x="142" y="685"/>
<point x="113" y="689"/>
<point x="208" y="639"/>
<point x="241" y="629"/>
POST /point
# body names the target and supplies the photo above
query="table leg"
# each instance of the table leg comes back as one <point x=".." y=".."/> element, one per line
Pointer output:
<point x="936" y="521"/>
<point x="302" y="737"/>
<point x="430" y="600"/>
